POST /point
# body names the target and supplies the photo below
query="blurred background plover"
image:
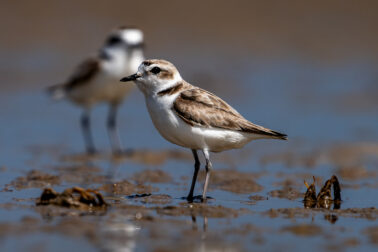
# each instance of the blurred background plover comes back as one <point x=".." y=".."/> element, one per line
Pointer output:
<point x="96" y="80"/>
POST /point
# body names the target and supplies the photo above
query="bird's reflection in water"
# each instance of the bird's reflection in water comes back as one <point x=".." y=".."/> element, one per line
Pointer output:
<point x="204" y="224"/>
<point x="332" y="218"/>
<point x="202" y="244"/>
<point x="119" y="234"/>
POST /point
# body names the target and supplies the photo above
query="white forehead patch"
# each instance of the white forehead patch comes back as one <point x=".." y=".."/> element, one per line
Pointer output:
<point x="140" y="68"/>
<point x="132" y="36"/>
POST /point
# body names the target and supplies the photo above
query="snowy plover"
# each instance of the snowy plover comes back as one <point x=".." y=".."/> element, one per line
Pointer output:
<point x="97" y="80"/>
<point x="192" y="117"/>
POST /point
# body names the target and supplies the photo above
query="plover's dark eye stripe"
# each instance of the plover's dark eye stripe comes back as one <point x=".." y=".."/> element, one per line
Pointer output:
<point x="155" y="70"/>
<point x="113" y="40"/>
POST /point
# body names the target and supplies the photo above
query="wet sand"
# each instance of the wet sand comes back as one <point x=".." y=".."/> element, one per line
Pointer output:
<point x="245" y="209"/>
<point x="308" y="70"/>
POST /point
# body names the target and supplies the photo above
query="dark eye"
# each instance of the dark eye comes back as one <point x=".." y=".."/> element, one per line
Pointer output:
<point x="113" y="40"/>
<point x="155" y="70"/>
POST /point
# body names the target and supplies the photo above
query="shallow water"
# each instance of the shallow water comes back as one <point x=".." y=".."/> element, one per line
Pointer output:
<point x="46" y="137"/>
<point x="326" y="104"/>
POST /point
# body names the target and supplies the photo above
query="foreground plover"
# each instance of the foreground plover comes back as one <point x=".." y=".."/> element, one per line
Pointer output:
<point x="96" y="80"/>
<point x="192" y="117"/>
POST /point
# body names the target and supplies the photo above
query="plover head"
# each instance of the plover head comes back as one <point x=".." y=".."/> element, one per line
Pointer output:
<point x="155" y="75"/>
<point x="122" y="39"/>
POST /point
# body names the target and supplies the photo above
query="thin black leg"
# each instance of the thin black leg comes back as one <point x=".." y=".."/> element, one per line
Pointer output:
<point x="112" y="130"/>
<point x="194" y="179"/>
<point x="208" y="167"/>
<point x="86" y="127"/>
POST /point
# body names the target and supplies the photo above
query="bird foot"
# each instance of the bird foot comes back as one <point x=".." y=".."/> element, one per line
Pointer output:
<point x="197" y="199"/>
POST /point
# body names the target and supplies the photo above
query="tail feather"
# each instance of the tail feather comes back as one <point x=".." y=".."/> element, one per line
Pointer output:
<point x="278" y="135"/>
<point x="262" y="131"/>
<point x="57" y="92"/>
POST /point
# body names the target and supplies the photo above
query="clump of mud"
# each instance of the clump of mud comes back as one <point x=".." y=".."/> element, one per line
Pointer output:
<point x="152" y="176"/>
<point x="324" y="198"/>
<point x="286" y="193"/>
<point x="370" y="213"/>
<point x="354" y="172"/>
<point x="126" y="187"/>
<point x="76" y="197"/>
<point x="34" y="179"/>
<point x="372" y="233"/>
<point x="303" y="229"/>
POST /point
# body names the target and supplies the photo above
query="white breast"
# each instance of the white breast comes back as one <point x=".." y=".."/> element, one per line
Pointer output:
<point x="175" y="130"/>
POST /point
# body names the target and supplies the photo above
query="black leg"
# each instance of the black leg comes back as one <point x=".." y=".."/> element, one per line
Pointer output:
<point x="112" y="130"/>
<point x="196" y="169"/>
<point x="208" y="167"/>
<point x="86" y="127"/>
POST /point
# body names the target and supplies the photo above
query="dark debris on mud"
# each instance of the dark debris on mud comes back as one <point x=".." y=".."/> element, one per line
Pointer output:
<point x="324" y="198"/>
<point x="75" y="197"/>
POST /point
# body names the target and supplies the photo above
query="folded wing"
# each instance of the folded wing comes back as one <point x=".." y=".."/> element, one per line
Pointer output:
<point x="84" y="73"/>
<point x="198" y="107"/>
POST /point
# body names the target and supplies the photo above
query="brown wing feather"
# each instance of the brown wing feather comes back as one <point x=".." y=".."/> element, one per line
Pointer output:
<point x="201" y="108"/>
<point x="84" y="72"/>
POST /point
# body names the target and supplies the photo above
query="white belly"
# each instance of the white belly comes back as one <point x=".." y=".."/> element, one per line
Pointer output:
<point x="175" y="130"/>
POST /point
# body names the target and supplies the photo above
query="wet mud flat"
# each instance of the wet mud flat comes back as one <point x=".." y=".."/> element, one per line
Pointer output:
<point x="138" y="205"/>
<point x="314" y="80"/>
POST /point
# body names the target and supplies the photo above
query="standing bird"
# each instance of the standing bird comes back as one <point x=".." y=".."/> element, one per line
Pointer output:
<point x="96" y="80"/>
<point x="192" y="117"/>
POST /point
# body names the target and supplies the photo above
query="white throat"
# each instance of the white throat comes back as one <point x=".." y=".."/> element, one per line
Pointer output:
<point x="153" y="87"/>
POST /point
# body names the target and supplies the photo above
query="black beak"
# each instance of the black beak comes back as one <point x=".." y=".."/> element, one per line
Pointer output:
<point x="132" y="77"/>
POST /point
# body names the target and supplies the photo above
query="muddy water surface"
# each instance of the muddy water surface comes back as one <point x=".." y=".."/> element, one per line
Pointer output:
<point x="325" y="102"/>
